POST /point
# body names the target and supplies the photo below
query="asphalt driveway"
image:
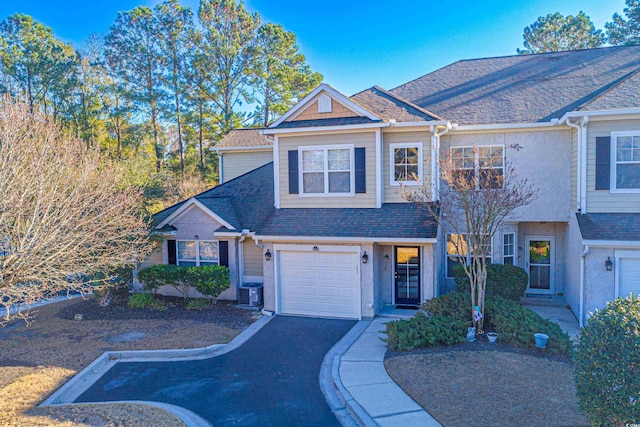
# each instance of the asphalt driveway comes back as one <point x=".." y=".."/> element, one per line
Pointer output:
<point x="271" y="380"/>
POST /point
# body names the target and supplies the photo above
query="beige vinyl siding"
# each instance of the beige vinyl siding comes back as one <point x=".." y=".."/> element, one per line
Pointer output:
<point x="392" y="194"/>
<point x="252" y="259"/>
<point x="359" y="139"/>
<point x="311" y="111"/>
<point x="235" y="164"/>
<point x="574" y="168"/>
<point x="603" y="200"/>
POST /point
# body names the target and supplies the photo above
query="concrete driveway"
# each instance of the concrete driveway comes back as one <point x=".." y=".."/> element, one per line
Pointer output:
<point x="271" y="380"/>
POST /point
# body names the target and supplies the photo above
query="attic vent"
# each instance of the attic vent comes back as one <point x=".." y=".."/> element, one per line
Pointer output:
<point x="324" y="104"/>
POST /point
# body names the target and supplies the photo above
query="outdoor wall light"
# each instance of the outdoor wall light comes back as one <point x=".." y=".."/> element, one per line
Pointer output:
<point x="196" y="237"/>
<point x="315" y="249"/>
<point x="267" y="255"/>
<point x="608" y="264"/>
<point x="387" y="256"/>
<point x="365" y="257"/>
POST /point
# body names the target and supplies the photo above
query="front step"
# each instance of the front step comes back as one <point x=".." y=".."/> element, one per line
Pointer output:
<point x="544" y="301"/>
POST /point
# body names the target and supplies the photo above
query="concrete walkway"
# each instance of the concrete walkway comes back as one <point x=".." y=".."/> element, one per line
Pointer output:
<point x="368" y="387"/>
<point x="563" y="316"/>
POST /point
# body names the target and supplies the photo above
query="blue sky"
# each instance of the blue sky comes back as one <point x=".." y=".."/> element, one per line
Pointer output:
<point x="356" y="44"/>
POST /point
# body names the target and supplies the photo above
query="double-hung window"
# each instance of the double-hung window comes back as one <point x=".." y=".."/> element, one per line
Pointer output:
<point x="625" y="159"/>
<point x="508" y="248"/>
<point x="482" y="167"/>
<point x="406" y="164"/>
<point x="459" y="249"/>
<point x="197" y="252"/>
<point x="327" y="170"/>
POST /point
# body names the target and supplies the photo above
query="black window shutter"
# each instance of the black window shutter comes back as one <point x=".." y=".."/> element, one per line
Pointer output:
<point x="361" y="171"/>
<point x="171" y="252"/>
<point x="293" y="172"/>
<point x="603" y="162"/>
<point x="223" y="248"/>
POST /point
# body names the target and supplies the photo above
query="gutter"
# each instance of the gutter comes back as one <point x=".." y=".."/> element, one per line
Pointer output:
<point x="578" y="129"/>
<point x="325" y="239"/>
<point x="323" y="129"/>
<point x="599" y="113"/>
<point x="585" y="252"/>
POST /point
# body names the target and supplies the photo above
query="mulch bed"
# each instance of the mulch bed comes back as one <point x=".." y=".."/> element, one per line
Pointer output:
<point x="482" y="384"/>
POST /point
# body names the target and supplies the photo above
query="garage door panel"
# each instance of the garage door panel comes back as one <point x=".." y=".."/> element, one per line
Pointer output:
<point x="629" y="276"/>
<point x="319" y="283"/>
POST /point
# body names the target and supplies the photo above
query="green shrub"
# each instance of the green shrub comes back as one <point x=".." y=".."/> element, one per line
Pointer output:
<point x="199" y="304"/>
<point x="607" y="364"/>
<point x="516" y="326"/>
<point x="209" y="280"/>
<point x="422" y="331"/>
<point x="145" y="301"/>
<point x="506" y="281"/>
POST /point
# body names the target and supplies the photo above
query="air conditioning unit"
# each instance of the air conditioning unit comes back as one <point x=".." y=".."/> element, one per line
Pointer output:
<point x="250" y="295"/>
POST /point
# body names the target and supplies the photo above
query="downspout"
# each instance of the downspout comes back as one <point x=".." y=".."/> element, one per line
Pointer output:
<point x="243" y="236"/>
<point x="585" y="252"/>
<point x="583" y="163"/>
<point x="220" y="177"/>
<point x="435" y="153"/>
<point x="578" y="128"/>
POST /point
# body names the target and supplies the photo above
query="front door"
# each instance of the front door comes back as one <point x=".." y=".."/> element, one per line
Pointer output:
<point x="407" y="275"/>
<point x="540" y="264"/>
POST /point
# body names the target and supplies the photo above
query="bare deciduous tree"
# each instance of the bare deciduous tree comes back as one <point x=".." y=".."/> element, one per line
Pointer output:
<point x="481" y="190"/>
<point x="67" y="216"/>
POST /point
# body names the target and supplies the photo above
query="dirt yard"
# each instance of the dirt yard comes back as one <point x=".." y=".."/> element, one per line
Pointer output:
<point x="37" y="359"/>
<point x="485" y="385"/>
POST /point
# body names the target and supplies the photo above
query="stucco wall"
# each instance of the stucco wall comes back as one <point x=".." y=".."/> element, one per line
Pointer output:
<point x="361" y="200"/>
<point x="544" y="159"/>
<point x="366" y="283"/>
<point x="573" y="250"/>
<point x="235" y="163"/>
<point x="383" y="280"/>
<point x="603" y="200"/>
<point x="599" y="284"/>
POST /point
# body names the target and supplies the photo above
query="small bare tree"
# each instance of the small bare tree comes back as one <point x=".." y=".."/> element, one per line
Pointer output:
<point x="67" y="216"/>
<point x="481" y="190"/>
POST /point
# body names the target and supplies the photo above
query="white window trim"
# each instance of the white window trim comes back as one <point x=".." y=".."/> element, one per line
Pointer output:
<point x="326" y="148"/>
<point x="392" y="170"/>
<point x="476" y="161"/>
<point x="515" y="248"/>
<point x="467" y="256"/>
<point x="614" y="162"/>
<point x="197" y="260"/>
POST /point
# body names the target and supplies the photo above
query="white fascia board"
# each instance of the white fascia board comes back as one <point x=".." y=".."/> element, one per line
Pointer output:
<point x="334" y="94"/>
<point x="420" y="124"/>
<point x="226" y="234"/>
<point x="597" y="113"/>
<point x="245" y="148"/>
<point x="506" y="126"/>
<point x="311" y="239"/>
<point x="187" y="206"/>
<point x="325" y="129"/>
<point x="164" y="233"/>
<point x="612" y="243"/>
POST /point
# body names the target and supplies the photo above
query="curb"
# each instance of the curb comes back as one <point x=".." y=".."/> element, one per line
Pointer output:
<point x="342" y="404"/>
<point x="23" y="307"/>
<point x="191" y="419"/>
<point x="72" y="389"/>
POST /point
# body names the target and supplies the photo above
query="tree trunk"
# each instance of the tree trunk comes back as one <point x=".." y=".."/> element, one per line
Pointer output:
<point x="176" y="91"/>
<point x="200" y="135"/>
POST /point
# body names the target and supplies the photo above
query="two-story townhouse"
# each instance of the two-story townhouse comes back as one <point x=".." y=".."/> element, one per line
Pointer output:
<point x="321" y="222"/>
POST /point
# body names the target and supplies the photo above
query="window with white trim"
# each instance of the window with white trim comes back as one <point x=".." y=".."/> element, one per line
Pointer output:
<point x="406" y="164"/>
<point x="197" y="252"/>
<point x="509" y="248"/>
<point x="626" y="161"/>
<point x="327" y="170"/>
<point x="458" y="249"/>
<point x="482" y="165"/>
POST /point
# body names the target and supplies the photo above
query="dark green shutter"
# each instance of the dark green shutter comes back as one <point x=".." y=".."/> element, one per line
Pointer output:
<point x="361" y="171"/>
<point x="603" y="163"/>
<point x="293" y="172"/>
<point x="171" y="252"/>
<point x="223" y="248"/>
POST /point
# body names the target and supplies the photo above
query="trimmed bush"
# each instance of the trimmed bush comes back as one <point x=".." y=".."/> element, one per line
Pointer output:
<point x="607" y="364"/>
<point x="422" y="331"/>
<point x="209" y="280"/>
<point x="145" y="301"/>
<point x="505" y="281"/>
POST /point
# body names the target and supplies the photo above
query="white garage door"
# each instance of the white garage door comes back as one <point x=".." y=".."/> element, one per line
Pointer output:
<point x="319" y="283"/>
<point x="629" y="276"/>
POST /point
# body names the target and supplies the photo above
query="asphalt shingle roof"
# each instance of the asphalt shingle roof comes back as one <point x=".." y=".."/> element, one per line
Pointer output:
<point x="246" y="202"/>
<point x="388" y="106"/>
<point x="523" y="88"/>
<point x="338" y="121"/>
<point x="244" y="138"/>
<point x="610" y="226"/>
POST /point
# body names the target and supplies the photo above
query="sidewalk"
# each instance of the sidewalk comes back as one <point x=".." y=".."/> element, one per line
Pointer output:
<point x="365" y="379"/>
